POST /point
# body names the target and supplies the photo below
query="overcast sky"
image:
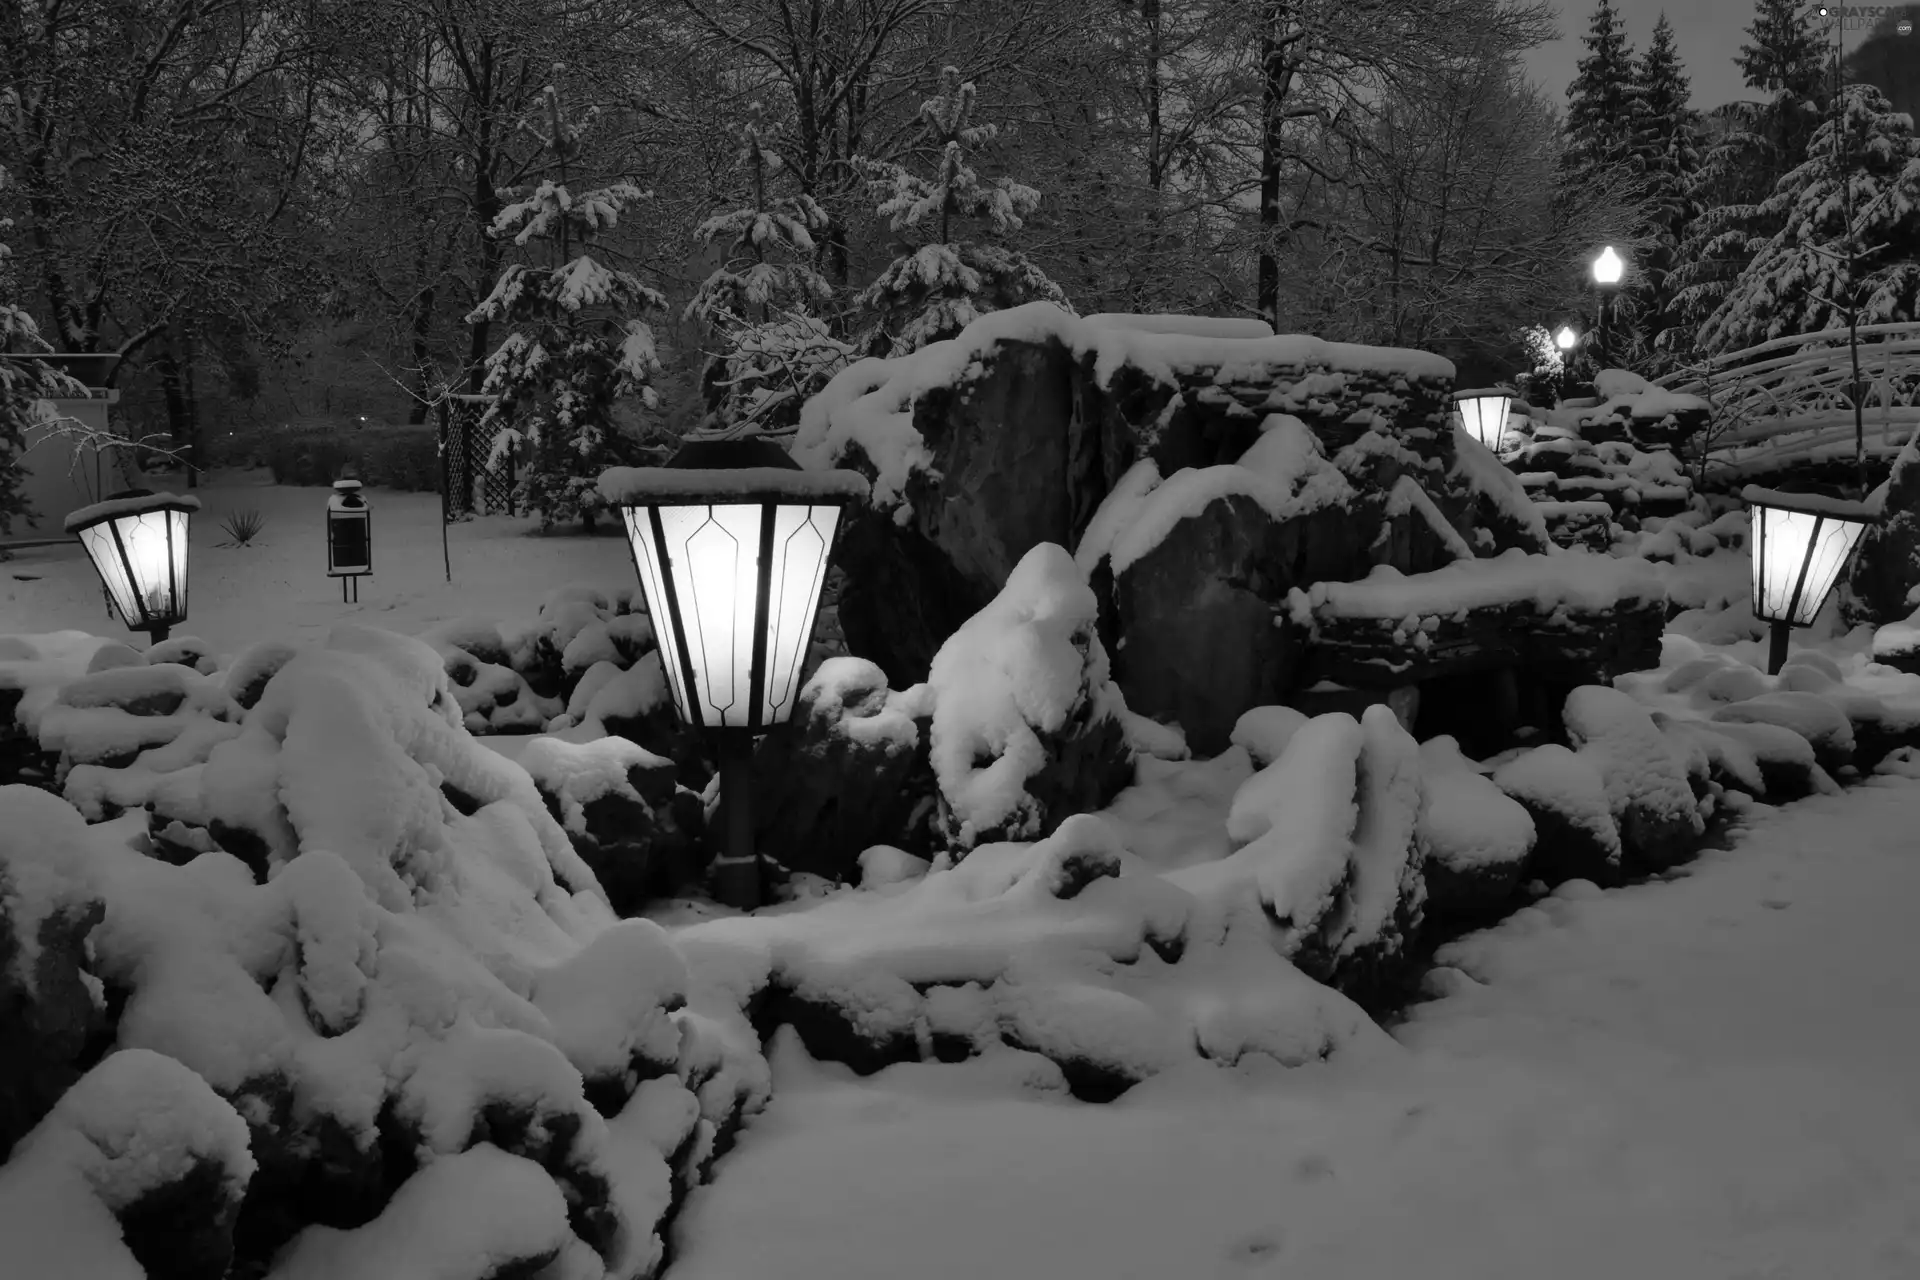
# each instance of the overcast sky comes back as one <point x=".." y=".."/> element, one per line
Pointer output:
<point x="1709" y="33"/>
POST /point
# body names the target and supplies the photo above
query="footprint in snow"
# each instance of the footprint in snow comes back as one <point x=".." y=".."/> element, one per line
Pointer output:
<point x="1257" y="1248"/>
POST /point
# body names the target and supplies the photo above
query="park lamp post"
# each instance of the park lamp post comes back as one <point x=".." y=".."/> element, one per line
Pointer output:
<point x="730" y="540"/>
<point x="1484" y="414"/>
<point x="1608" y="269"/>
<point x="137" y="540"/>
<point x="1800" y="543"/>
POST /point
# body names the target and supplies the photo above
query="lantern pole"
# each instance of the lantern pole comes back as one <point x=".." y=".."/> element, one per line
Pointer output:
<point x="737" y="871"/>
<point x="1777" y="635"/>
<point x="446" y="482"/>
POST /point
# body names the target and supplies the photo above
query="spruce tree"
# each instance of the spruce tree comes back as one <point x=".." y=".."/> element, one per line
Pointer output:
<point x="1849" y="237"/>
<point x="1603" y="100"/>
<point x="773" y="352"/>
<point x="935" y="289"/>
<point x="1667" y="152"/>
<point x="576" y="342"/>
<point x="1759" y="145"/>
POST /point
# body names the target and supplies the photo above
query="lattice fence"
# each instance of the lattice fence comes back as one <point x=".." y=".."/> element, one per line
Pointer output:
<point x="472" y="486"/>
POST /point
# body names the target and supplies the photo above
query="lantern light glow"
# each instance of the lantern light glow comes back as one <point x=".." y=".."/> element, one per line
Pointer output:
<point x="1484" y="414"/>
<point x="1565" y="338"/>
<point x="1800" y="543"/>
<point x="1608" y="267"/>
<point x="138" y="541"/>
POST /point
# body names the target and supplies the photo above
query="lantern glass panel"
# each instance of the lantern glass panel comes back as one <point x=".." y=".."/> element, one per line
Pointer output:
<point x="144" y="568"/>
<point x="711" y="553"/>
<point x="1485" y="418"/>
<point x="653" y="584"/>
<point x="802" y="539"/>
<point x="1796" y="560"/>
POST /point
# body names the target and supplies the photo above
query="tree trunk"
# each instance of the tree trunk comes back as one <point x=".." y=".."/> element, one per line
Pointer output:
<point x="190" y="397"/>
<point x="1276" y="82"/>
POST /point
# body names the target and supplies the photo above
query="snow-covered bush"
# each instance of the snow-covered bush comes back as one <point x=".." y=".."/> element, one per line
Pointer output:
<point x="1027" y="728"/>
<point x="576" y="341"/>
<point x="944" y="283"/>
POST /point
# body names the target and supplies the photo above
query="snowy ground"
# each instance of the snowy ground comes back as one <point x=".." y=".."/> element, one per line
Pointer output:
<point x="1706" y="1078"/>
<point x="277" y="588"/>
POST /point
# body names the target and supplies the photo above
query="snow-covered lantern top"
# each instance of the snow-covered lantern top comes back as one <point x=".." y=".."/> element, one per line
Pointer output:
<point x="1800" y="543"/>
<point x="1608" y="267"/>
<point x="137" y="540"/>
<point x="349" y="531"/>
<point x="730" y="540"/>
<point x="1484" y="414"/>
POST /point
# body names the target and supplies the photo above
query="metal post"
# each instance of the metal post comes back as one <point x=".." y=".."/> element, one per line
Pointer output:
<point x="446" y="487"/>
<point x="1777" y="636"/>
<point x="157" y="634"/>
<point x="736" y="871"/>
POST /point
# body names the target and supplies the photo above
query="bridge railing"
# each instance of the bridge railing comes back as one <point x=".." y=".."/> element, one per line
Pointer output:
<point x="1792" y="399"/>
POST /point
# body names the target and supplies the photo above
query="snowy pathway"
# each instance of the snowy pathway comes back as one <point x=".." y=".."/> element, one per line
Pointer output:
<point x="1713" y="1078"/>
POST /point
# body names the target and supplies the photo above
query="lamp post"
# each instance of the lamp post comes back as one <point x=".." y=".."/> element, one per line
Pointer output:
<point x="730" y="540"/>
<point x="137" y="540"/>
<point x="1800" y="543"/>
<point x="1484" y="414"/>
<point x="1608" y="270"/>
<point x="349" y="537"/>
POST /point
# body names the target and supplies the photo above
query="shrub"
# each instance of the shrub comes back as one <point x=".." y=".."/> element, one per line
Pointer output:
<point x="404" y="458"/>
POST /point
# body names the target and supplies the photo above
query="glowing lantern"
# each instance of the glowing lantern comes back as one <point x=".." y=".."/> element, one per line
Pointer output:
<point x="137" y="540"/>
<point x="731" y="540"/>
<point x="1608" y="267"/>
<point x="349" y="536"/>
<point x="1800" y="544"/>
<point x="1484" y="414"/>
<point x="1566" y="338"/>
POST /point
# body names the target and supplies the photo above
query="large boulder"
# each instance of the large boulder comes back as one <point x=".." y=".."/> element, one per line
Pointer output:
<point x="1014" y="432"/>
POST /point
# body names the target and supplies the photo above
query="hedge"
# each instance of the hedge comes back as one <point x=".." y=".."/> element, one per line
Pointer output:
<point x="404" y="458"/>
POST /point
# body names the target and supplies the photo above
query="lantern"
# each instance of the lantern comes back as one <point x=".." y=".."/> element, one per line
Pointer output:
<point x="1566" y="338"/>
<point x="730" y="541"/>
<point x="1484" y="414"/>
<point x="1608" y="269"/>
<point x="349" y="537"/>
<point x="137" y="540"/>
<point x="1800" y="543"/>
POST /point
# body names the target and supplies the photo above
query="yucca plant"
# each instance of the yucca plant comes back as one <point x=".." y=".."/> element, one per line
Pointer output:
<point x="242" y="527"/>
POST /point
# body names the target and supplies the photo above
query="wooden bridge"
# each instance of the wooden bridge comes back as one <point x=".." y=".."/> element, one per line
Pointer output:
<point x="1792" y="400"/>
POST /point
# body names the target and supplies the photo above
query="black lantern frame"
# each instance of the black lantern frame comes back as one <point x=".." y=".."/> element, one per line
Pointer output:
<point x="138" y="541"/>
<point x="1801" y="543"/>
<point x="1484" y="414"/>
<point x="731" y="541"/>
<point x="349" y="537"/>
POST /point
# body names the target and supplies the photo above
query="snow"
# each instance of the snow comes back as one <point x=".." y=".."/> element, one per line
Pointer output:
<point x="1514" y="577"/>
<point x="609" y="1002"/>
<point x="465" y="1215"/>
<point x="578" y="773"/>
<point x="1190" y="326"/>
<point x="40" y="874"/>
<point x="133" y="506"/>
<point x="1696" y="1077"/>
<point x="1015" y="670"/>
<point x="1284" y="471"/>
<point x="1559" y="781"/>
<point x="1467" y="821"/>
<point x="638" y="486"/>
<point x="1816" y="503"/>
<point x="1485" y="474"/>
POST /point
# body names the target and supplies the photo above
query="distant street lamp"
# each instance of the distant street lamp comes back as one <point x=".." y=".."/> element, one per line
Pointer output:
<point x="1566" y="339"/>
<point x="1800" y="543"/>
<point x="137" y="540"/>
<point x="1608" y="270"/>
<point x="349" y="537"/>
<point x="731" y="541"/>
<point x="1484" y="414"/>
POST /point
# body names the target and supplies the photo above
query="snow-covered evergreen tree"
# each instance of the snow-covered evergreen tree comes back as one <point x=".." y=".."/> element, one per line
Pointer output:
<point x="1849" y="235"/>
<point x="1603" y="102"/>
<point x="24" y="383"/>
<point x="1755" y="147"/>
<point x="935" y="289"/>
<point x="773" y="352"/>
<point x="1667" y="154"/>
<point x="576" y="341"/>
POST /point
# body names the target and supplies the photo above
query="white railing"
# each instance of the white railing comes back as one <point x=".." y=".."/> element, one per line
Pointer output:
<point x="1791" y="399"/>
